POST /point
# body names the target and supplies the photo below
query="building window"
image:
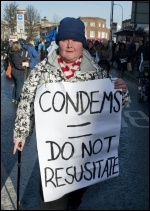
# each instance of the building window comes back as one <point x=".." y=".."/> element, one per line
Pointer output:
<point x="103" y="34"/>
<point x="103" y="25"/>
<point x="99" y="34"/>
<point x="92" y="24"/>
<point x="106" y="35"/>
<point x="85" y="23"/>
<point x="92" y="33"/>
<point x="99" y="24"/>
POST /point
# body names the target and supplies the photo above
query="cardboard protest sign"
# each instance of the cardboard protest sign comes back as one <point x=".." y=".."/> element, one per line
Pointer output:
<point x="77" y="129"/>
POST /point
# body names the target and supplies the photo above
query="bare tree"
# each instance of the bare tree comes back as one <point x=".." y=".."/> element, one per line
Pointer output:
<point x="32" y="21"/>
<point x="9" y="15"/>
<point x="56" y="19"/>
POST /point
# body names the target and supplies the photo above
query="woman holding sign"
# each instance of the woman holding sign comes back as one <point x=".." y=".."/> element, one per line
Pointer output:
<point x="70" y="62"/>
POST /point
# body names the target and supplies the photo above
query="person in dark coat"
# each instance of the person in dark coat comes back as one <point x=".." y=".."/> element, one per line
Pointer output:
<point x="90" y="49"/>
<point x="42" y="50"/>
<point x="140" y="55"/>
<point x="4" y="45"/>
<point x="121" y="57"/>
<point x="132" y="52"/>
<point x="113" y="53"/>
<point x="15" y="60"/>
<point x="6" y="53"/>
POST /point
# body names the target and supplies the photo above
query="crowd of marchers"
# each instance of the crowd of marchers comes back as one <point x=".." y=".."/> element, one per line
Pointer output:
<point x="105" y="53"/>
<point x="26" y="54"/>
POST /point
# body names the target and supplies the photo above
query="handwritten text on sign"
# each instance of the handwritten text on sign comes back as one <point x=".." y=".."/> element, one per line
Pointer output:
<point x="77" y="129"/>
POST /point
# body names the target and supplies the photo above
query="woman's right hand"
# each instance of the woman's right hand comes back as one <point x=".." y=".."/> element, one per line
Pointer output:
<point x="18" y="145"/>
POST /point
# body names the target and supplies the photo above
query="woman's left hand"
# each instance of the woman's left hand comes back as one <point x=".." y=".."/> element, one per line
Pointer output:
<point x="120" y="84"/>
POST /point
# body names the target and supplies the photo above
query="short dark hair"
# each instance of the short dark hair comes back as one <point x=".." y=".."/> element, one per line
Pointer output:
<point x="29" y="39"/>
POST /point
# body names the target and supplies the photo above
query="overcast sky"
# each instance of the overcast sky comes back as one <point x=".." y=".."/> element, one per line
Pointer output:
<point x="75" y="9"/>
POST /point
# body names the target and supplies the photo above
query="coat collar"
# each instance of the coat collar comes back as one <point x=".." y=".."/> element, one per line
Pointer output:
<point x="86" y="64"/>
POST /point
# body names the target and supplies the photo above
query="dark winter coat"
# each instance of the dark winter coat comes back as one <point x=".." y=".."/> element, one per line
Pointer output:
<point x="121" y="54"/>
<point x="16" y="60"/>
<point x="140" y="50"/>
<point x="132" y="49"/>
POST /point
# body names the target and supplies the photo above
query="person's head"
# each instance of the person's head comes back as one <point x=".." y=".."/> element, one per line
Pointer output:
<point x="96" y="43"/>
<point x="90" y="45"/>
<point x="43" y="41"/>
<point x="30" y="40"/>
<point x="71" y="39"/>
<point x="105" y="43"/>
<point x="141" y="42"/>
<point x="16" y="46"/>
<point x="10" y="42"/>
<point x="122" y="46"/>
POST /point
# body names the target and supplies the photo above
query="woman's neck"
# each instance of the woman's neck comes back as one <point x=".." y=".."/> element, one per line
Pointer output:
<point x="69" y="63"/>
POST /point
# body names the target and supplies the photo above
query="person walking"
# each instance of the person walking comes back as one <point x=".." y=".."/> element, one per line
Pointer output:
<point x="70" y="62"/>
<point x="17" y="73"/>
<point x="25" y="60"/>
<point x="121" y="57"/>
<point x="131" y="53"/>
<point x="42" y="50"/>
<point x="105" y="52"/>
<point x="97" y="46"/>
<point x="113" y="53"/>
<point x="140" y="55"/>
<point x="6" y="53"/>
<point x="33" y="54"/>
<point x="105" y="55"/>
<point x="90" y="48"/>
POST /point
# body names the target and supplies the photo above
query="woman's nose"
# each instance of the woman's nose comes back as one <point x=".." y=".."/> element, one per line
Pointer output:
<point x="69" y="44"/>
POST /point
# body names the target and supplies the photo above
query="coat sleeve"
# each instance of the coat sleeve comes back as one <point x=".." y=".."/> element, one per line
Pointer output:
<point x="24" y="122"/>
<point x="126" y="100"/>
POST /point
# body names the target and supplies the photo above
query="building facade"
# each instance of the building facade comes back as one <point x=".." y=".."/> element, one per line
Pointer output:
<point x="46" y="26"/>
<point x="95" y="28"/>
<point x="139" y="32"/>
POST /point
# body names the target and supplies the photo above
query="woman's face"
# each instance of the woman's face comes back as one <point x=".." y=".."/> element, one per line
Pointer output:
<point x="70" y="50"/>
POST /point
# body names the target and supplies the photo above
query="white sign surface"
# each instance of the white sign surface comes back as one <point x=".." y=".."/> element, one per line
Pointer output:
<point x="20" y="23"/>
<point x="77" y="129"/>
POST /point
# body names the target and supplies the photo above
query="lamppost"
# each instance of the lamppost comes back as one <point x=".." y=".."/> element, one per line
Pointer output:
<point x="111" y="19"/>
<point x="122" y="13"/>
